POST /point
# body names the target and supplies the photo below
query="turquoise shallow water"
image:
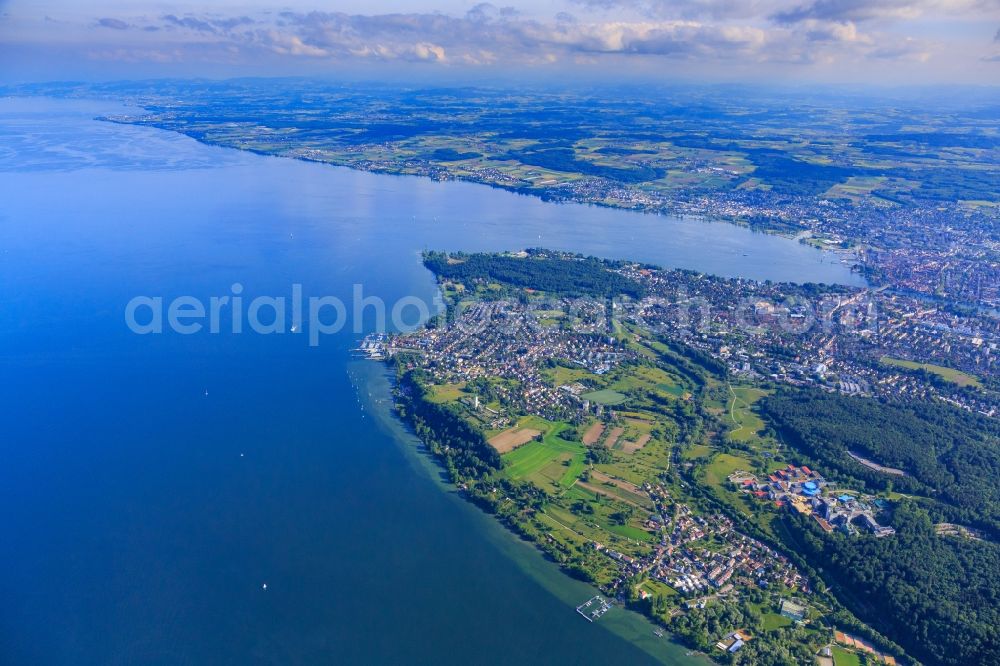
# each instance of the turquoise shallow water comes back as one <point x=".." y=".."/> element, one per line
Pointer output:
<point x="152" y="485"/>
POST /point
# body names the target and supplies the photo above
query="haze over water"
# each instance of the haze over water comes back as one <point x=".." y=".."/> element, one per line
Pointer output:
<point x="151" y="485"/>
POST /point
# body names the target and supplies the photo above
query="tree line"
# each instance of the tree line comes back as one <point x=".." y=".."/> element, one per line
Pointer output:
<point x="951" y="457"/>
<point x="572" y="276"/>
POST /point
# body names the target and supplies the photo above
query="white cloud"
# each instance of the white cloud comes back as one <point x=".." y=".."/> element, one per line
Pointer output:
<point x="504" y="36"/>
<point x="858" y="11"/>
<point x="719" y="34"/>
<point x="834" y="31"/>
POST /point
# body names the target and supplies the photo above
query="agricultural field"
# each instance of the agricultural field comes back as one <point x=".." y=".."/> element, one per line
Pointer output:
<point x="552" y="464"/>
<point x="856" y="187"/>
<point x="616" y="488"/>
<point x="948" y="374"/>
<point x="605" y="397"/>
<point x="510" y="439"/>
<point x="593" y="433"/>
<point x="600" y="517"/>
<point x="599" y="501"/>
<point x="745" y="422"/>
<point x="611" y="439"/>
<point x="630" y="446"/>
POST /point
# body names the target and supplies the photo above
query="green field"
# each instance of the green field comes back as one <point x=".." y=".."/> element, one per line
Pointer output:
<point x="663" y="381"/>
<point x="646" y="378"/>
<point x="621" y="493"/>
<point x="598" y="525"/>
<point x="947" y="374"/>
<point x="630" y="532"/>
<point x="696" y="451"/>
<point x="746" y="423"/>
<point x="446" y="392"/>
<point x="605" y="397"/>
<point x="656" y="588"/>
<point x="562" y="375"/>
<point x="567" y="533"/>
<point x="552" y="463"/>
<point x="774" y="621"/>
<point x="722" y="466"/>
<point x="716" y="477"/>
<point x="842" y="657"/>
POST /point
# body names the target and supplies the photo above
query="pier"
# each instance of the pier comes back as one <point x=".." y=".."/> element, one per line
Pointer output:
<point x="593" y="608"/>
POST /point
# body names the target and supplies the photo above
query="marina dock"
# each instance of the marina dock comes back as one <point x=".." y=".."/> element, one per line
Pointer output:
<point x="593" y="608"/>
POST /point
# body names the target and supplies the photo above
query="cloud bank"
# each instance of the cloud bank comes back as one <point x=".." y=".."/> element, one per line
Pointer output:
<point x="714" y="33"/>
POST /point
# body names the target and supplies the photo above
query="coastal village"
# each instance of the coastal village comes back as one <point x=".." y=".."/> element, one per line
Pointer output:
<point x="506" y="346"/>
<point x="581" y="402"/>
<point x="854" y="341"/>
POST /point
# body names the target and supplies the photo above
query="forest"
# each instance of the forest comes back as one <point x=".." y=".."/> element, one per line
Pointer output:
<point x="461" y="448"/>
<point x="937" y="596"/>
<point x="558" y="275"/>
<point x="951" y="457"/>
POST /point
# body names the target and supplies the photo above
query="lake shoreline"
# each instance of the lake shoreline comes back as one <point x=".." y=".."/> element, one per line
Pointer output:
<point x="256" y="458"/>
<point x="378" y="381"/>
<point x="544" y="195"/>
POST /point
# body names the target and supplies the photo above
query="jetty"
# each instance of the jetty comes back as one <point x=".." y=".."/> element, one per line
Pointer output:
<point x="374" y="346"/>
<point x="593" y="608"/>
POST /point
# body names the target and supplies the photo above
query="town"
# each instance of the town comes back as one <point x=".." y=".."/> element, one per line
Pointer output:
<point x="866" y="341"/>
<point x="589" y="401"/>
<point x="854" y="341"/>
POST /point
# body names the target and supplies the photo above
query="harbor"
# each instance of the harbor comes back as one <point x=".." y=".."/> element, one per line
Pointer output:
<point x="594" y="608"/>
<point x="374" y="346"/>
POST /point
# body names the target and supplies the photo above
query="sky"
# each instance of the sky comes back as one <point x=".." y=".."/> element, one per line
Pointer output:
<point x="888" y="42"/>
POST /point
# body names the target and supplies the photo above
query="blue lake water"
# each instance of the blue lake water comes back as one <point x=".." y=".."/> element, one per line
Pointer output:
<point x="150" y="486"/>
